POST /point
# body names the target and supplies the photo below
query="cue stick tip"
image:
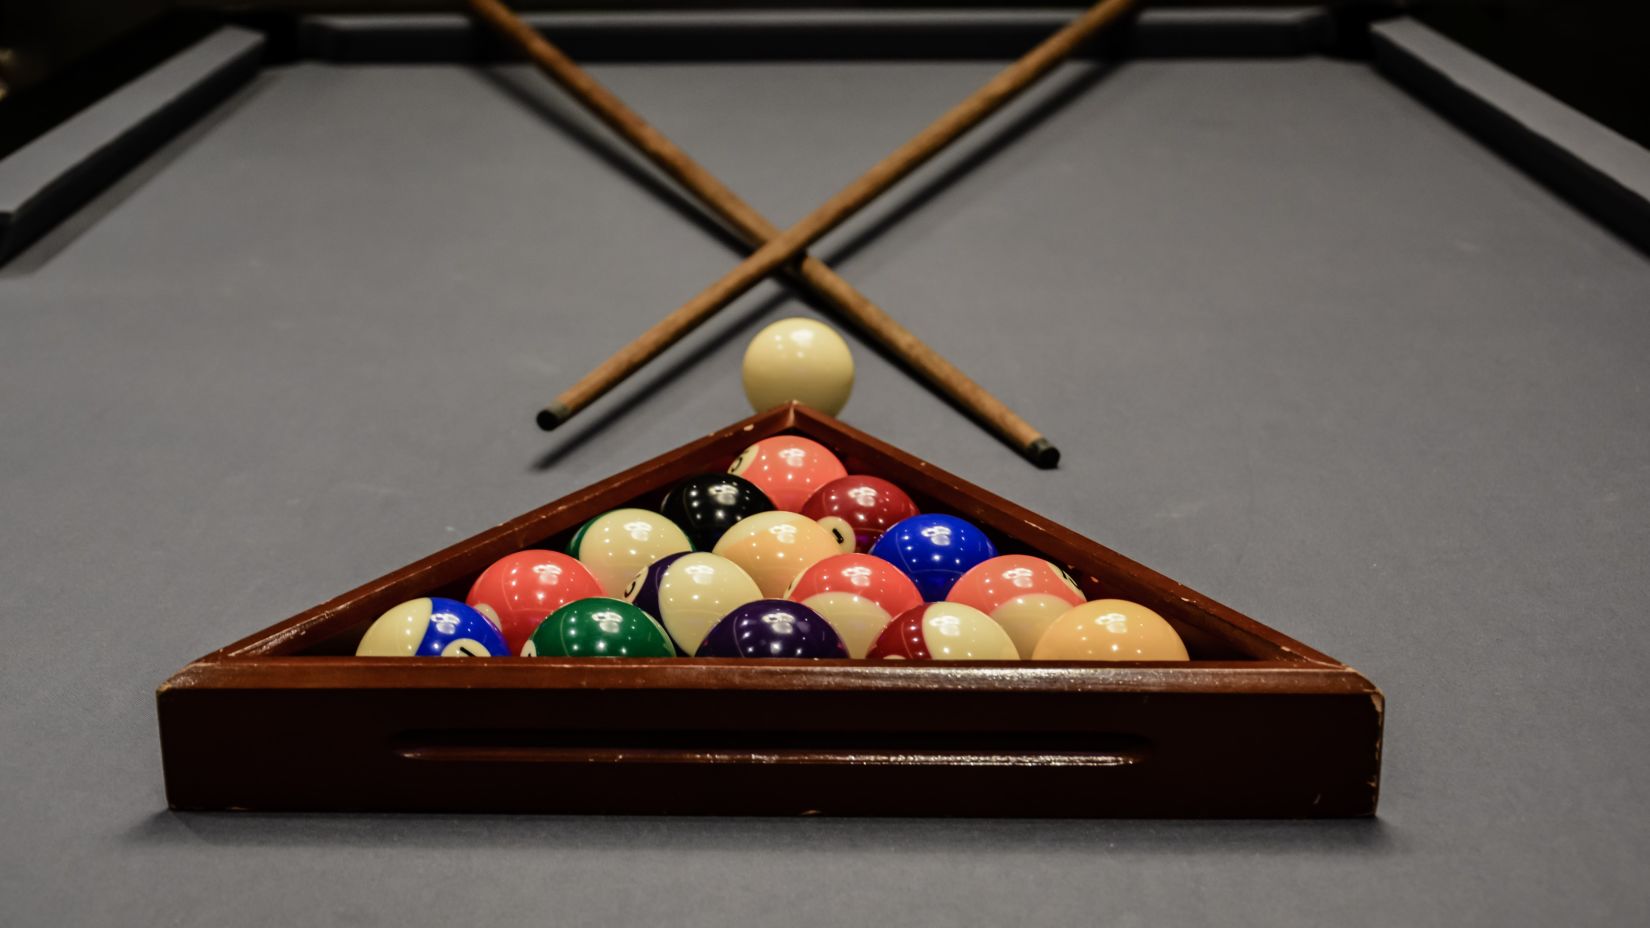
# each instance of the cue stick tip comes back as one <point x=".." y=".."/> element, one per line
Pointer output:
<point x="1042" y="453"/>
<point x="556" y="413"/>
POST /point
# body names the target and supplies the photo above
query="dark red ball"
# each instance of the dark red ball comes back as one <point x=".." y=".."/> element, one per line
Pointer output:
<point x="868" y="505"/>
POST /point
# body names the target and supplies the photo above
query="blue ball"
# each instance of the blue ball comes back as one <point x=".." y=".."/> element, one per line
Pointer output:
<point x="451" y="622"/>
<point x="432" y="627"/>
<point x="934" y="551"/>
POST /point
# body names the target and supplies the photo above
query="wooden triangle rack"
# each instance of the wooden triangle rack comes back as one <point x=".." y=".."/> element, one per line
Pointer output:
<point x="1255" y="725"/>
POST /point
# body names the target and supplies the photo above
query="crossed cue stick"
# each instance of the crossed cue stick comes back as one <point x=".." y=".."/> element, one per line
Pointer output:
<point x="774" y="248"/>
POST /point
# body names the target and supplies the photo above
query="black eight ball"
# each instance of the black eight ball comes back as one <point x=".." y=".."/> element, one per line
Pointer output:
<point x="708" y="505"/>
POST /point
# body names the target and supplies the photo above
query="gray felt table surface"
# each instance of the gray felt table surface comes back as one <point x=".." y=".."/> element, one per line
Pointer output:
<point x="1307" y="348"/>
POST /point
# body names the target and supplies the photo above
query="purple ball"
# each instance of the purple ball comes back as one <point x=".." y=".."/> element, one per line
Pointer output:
<point x="772" y="628"/>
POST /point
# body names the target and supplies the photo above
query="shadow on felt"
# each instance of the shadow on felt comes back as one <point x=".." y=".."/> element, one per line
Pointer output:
<point x="1358" y="837"/>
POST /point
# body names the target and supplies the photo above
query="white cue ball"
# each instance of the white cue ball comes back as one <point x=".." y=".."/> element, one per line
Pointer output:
<point x="798" y="359"/>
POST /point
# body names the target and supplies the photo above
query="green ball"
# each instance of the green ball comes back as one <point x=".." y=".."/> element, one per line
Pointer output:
<point x="599" y="627"/>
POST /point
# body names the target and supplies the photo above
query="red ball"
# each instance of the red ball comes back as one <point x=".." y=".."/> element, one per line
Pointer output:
<point x="788" y="468"/>
<point x="521" y="589"/>
<point x="858" y="594"/>
<point x="868" y="505"/>
<point x="943" y="632"/>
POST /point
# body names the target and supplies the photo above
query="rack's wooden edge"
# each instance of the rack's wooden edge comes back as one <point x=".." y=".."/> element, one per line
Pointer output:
<point x="518" y="528"/>
<point x="1130" y="580"/>
<point x="250" y="727"/>
<point x="289" y="735"/>
<point x="1068" y="545"/>
<point x="349" y="673"/>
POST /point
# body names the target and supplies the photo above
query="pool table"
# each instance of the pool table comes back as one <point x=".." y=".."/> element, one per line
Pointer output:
<point x="1332" y="321"/>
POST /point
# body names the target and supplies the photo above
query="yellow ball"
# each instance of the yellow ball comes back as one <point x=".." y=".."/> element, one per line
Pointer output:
<point x="1110" y="630"/>
<point x="798" y="359"/>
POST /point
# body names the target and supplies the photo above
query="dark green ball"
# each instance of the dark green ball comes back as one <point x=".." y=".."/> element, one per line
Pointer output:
<point x="599" y="627"/>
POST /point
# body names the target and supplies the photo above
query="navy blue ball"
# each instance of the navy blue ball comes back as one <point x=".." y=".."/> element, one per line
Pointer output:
<point x="772" y="628"/>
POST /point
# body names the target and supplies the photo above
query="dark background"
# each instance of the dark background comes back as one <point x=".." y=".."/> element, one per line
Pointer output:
<point x="58" y="56"/>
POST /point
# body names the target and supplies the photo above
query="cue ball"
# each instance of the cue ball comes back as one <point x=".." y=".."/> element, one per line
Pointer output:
<point x="520" y="589"/>
<point x="789" y="468"/>
<point x="1110" y="630"/>
<point x="599" y="627"/>
<point x="772" y="628"/>
<point x="691" y="592"/>
<point x="1023" y="594"/>
<point x="773" y="547"/>
<point x="869" y="505"/>
<point x="934" y="551"/>
<point x="858" y="594"/>
<point x="432" y="627"/>
<point x="615" y="546"/>
<point x="798" y="359"/>
<point x="708" y="505"/>
<point x="944" y="632"/>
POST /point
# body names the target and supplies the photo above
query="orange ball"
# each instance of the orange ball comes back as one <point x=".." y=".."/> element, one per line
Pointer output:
<point x="788" y="468"/>
<point x="773" y="547"/>
<point x="1110" y="630"/>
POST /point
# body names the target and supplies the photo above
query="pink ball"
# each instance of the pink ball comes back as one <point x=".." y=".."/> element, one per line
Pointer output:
<point x="1023" y="594"/>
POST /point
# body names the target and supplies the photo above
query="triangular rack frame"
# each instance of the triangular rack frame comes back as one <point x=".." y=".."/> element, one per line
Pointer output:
<point x="1256" y="725"/>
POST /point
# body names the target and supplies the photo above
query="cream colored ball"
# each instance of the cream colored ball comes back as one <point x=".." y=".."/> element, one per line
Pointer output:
<point x="798" y="359"/>
<point x="616" y="545"/>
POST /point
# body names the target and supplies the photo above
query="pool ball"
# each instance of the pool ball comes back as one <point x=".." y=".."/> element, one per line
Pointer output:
<point x="868" y="505"/>
<point x="788" y="468"/>
<point x="772" y="628"/>
<point x="432" y="627"/>
<point x="944" y="632"/>
<point x="773" y="547"/>
<point x="691" y="592"/>
<point x="520" y="589"/>
<point x="798" y="359"/>
<point x="858" y="594"/>
<point x="934" y="551"/>
<point x="1021" y="593"/>
<point x="618" y="544"/>
<point x="707" y="505"/>
<point x="599" y="627"/>
<point x="1110" y="630"/>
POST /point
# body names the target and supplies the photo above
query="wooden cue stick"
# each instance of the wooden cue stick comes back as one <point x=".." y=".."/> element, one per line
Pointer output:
<point x="757" y="230"/>
<point x="788" y="244"/>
